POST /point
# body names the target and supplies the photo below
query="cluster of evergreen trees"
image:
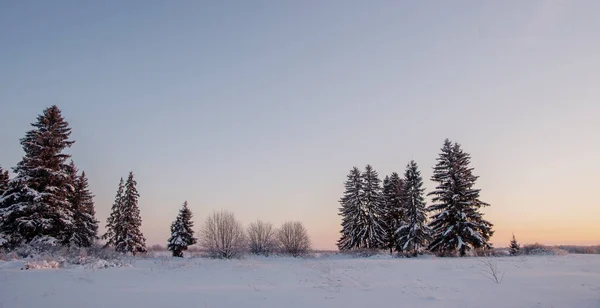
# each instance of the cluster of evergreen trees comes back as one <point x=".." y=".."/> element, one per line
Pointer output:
<point x="395" y="216"/>
<point x="123" y="225"/>
<point x="48" y="201"/>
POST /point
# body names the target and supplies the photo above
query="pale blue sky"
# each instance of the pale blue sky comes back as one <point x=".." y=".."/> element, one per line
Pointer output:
<point x="262" y="107"/>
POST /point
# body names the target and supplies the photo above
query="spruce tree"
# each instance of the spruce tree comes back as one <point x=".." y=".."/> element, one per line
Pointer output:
<point x="414" y="232"/>
<point x="114" y="228"/>
<point x="85" y="231"/>
<point x="374" y="207"/>
<point x="354" y="220"/>
<point x="514" y="246"/>
<point x="34" y="209"/>
<point x="457" y="225"/>
<point x="182" y="232"/>
<point x="4" y="179"/>
<point x="392" y="192"/>
<point x="132" y="240"/>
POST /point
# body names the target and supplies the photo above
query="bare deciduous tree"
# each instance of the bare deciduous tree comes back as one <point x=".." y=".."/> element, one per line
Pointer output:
<point x="223" y="236"/>
<point x="261" y="238"/>
<point x="293" y="239"/>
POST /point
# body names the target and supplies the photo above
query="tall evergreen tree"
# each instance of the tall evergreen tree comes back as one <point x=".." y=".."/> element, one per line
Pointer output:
<point x="414" y="232"/>
<point x="85" y="231"/>
<point x="4" y="179"/>
<point x="515" y="248"/>
<point x="374" y="207"/>
<point x="354" y="219"/>
<point x="34" y="209"/>
<point x="457" y="225"/>
<point x="182" y="232"/>
<point x="392" y="192"/>
<point x="132" y="239"/>
<point x="114" y="226"/>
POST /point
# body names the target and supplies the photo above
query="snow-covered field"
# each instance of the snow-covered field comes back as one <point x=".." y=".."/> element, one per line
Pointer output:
<point x="328" y="281"/>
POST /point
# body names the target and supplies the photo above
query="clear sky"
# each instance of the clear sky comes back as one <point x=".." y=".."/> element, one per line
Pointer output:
<point x="262" y="107"/>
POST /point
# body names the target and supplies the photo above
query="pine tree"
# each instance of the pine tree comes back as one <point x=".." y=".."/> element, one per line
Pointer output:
<point x="514" y="246"/>
<point x="4" y="179"/>
<point x="354" y="220"/>
<point x="374" y="207"/>
<point x="114" y="231"/>
<point x="392" y="192"/>
<point x="85" y="232"/>
<point x="414" y="232"/>
<point x="34" y="209"/>
<point x="132" y="240"/>
<point x="182" y="232"/>
<point x="457" y="225"/>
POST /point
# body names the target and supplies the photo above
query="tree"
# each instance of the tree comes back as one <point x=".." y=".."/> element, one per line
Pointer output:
<point x="363" y="211"/>
<point x="34" y="209"/>
<point x="514" y="246"/>
<point x="261" y="238"/>
<point x="131" y="240"/>
<point x="4" y="179"/>
<point x="293" y="239"/>
<point x="114" y="225"/>
<point x="374" y="207"/>
<point x="414" y="232"/>
<point x="223" y="236"/>
<point x="457" y="225"/>
<point x="354" y="219"/>
<point x="182" y="232"/>
<point x="392" y="193"/>
<point x="85" y="232"/>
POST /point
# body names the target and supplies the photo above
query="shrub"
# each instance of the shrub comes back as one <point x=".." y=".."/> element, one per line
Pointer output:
<point x="581" y="249"/>
<point x="538" y="249"/>
<point x="223" y="236"/>
<point x="293" y="239"/>
<point x="261" y="238"/>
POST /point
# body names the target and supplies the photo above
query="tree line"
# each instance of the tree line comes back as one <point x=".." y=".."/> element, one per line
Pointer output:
<point x="48" y="203"/>
<point x="395" y="216"/>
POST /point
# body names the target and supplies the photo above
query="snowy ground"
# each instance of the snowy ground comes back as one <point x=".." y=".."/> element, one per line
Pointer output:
<point x="332" y="281"/>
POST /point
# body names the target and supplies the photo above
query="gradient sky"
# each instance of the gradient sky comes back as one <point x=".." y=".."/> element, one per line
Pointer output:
<point x="262" y="107"/>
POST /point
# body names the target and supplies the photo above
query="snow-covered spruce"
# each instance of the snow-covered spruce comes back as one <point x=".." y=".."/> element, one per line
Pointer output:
<point x="372" y="200"/>
<point x="362" y="211"/>
<point x="392" y="192"/>
<point x="514" y="248"/>
<point x="131" y="239"/>
<point x="182" y="232"/>
<point x="353" y="217"/>
<point x="34" y="208"/>
<point x="414" y="233"/>
<point x="123" y="225"/>
<point x="457" y="225"/>
<point x="85" y="228"/>
<point x="113" y="222"/>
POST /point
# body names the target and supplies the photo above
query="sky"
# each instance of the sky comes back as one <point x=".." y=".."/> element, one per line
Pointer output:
<point x="262" y="107"/>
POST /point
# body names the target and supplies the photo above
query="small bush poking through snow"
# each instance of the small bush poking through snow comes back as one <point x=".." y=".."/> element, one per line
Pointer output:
<point x="42" y="264"/>
<point x="363" y="252"/>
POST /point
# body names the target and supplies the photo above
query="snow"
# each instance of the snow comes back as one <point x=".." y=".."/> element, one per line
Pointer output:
<point x="323" y="281"/>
